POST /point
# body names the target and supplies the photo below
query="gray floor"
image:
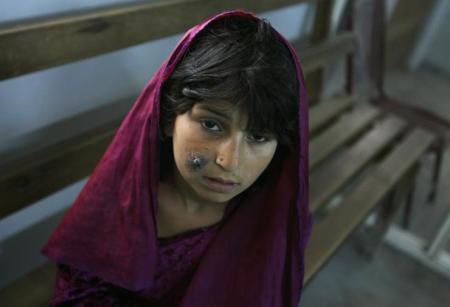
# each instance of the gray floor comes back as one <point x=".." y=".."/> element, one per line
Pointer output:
<point x="427" y="218"/>
<point x="392" y="278"/>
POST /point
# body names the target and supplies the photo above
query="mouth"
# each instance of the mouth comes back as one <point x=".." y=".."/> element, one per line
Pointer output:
<point x="219" y="184"/>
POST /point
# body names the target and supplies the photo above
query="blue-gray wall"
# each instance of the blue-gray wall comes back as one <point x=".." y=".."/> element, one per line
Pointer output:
<point x="438" y="55"/>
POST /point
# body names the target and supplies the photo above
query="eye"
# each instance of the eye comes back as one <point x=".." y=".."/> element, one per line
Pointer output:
<point x="210" y="125"/>
<point x="257" y="138"/>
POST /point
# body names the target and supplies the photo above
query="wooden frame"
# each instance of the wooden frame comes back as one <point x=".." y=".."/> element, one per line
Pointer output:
<point x="52" y="41"/>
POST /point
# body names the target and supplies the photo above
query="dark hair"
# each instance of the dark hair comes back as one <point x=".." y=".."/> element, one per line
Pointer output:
<point x="241" y="61"/>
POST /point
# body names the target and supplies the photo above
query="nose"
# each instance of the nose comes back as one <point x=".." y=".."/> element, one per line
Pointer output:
<point x="228" y="153"/>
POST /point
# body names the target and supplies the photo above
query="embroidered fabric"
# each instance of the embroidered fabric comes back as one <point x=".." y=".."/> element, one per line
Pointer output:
<point x="76" y="288"/>
<point x="177" y="262"/>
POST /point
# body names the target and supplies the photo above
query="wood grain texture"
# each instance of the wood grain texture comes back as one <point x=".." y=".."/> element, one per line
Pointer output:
<point x="326" y="110"/>
<point x="326" y="52"/>
<point x="320" y="30"/>
<point x="330" y="233"/>
<point x="340" y="132"/>
<point x="37" y="175"/>
<point x="50" y="158"/>
<point x="47" y="42"/>
<point x="30" y="143"/>
<point x="35" y="45"/>
<point x="326" y="181"/>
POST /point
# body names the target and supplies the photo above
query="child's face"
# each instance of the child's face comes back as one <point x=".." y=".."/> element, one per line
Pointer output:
<point x="211" y="145"/>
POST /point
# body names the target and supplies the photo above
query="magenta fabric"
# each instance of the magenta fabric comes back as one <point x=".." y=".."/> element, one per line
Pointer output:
<point x="254" y="258"/>
<point x="178" y="258"/>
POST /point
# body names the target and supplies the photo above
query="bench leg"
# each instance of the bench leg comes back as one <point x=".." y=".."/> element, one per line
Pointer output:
<point x="408" y="206"/>
<point x="371" y="239"/>
<point x="438" y="150"/>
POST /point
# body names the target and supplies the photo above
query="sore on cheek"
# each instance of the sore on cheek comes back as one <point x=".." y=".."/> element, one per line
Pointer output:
<point x="195" y="161"/>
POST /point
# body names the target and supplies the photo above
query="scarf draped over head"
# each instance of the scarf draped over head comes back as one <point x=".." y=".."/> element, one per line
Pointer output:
<point x="256" y="257"/>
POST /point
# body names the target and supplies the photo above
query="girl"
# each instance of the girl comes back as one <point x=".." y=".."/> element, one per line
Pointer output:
<point x="202" y="197"/>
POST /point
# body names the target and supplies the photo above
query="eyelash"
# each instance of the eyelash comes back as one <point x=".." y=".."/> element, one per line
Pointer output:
<point x="203" y="123"/>
<point x="251" y="137"/>
<point x="265" y="139"/>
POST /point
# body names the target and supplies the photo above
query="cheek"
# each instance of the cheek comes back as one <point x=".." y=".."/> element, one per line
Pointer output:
<point x="195" y="162"/>
<point x="190" y="153"/>
<point x="257" y="163"/>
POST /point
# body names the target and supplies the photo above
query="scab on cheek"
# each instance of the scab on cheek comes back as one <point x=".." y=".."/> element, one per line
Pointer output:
<point x="195" y="162"/>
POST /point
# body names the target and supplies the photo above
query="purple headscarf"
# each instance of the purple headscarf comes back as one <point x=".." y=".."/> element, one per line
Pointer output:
<point x="256" y="257"/>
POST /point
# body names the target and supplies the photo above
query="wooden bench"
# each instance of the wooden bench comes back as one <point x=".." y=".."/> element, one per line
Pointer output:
<point x="380" y="160"/>
<point x="360" y="155"/>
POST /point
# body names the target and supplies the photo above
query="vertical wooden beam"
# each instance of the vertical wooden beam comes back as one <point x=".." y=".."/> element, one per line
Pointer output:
<point x="348" y="25"/>
<point x="369" y="28"/>
<point x="319" y="33"/>
<point x="370" y="239"/>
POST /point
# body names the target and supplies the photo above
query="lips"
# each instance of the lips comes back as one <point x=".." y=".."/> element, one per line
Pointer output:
<point x="219" y="184"/>
<point x="223" y="181"/>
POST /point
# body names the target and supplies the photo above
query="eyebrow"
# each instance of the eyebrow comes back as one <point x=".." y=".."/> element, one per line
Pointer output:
<point x="215" y="111"/>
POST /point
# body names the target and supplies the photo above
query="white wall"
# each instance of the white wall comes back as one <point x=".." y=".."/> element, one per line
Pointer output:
<point x="35" y="100"/>
<point x="438" y="52"/>
<point x="432" y="44"/>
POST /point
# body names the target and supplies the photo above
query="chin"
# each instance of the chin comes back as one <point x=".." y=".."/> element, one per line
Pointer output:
<point x="217" y="197"/>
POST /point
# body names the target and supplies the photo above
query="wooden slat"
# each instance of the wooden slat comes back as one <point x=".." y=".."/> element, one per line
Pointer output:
<point x="35" y="45"/>
<point x="320" y="28"/>
<point x="336" y="227"/>
<point x="46" y="171"/>
<point x="28" y="144"/>
<point x="327" y="52"/>
<point x="34" y="289"/>
<point x="328" y="180"/>
<point x="323" y="112"/>
<point x="40" y="163"/>
<point x="340" y="132"/>
<point x="403" y="157"/>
